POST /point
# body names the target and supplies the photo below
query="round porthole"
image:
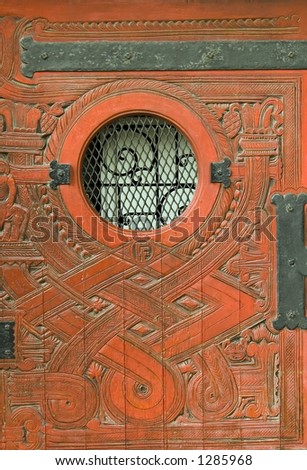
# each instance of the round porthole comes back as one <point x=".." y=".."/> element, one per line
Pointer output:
<point x="140" y="164"/>
<point x="139" y="172"/>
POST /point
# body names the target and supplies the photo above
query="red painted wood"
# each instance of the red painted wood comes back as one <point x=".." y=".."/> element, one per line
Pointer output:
<point x="154" y="340"/>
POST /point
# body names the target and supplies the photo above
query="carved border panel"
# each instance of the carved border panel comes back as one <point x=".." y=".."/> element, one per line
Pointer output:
<point x="147" y="345"/>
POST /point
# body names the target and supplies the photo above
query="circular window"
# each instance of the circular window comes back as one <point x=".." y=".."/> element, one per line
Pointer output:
<point x="139" y="172"/>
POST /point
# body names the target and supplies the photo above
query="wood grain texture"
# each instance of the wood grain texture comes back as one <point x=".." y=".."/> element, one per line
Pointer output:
<point x="150" y="341"/>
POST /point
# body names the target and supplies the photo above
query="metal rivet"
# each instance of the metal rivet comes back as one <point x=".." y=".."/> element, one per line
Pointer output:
<point x="291" y="54"/>
<point x="210" y="54"/>
<point x="289" y="208"/>
<point x="219" y="172"/>
<point x="128" y="56"/>
<point x="44" y="55"/>
<point x="61" y="173"/>
<point x="7" y="326"/>
<point x="291" y="262"/>
<point x="291" y="315"/>
<point x="7" y="352"/>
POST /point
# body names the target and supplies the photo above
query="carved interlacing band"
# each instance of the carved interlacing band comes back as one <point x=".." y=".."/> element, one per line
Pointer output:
<point x="145" y="342"/>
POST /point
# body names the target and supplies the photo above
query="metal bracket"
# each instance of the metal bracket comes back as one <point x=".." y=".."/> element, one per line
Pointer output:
<point x="220" y="172"/>
<point x="291" y="261"/>
<point x="59" y="174"/>
<point x="7" y="340"/>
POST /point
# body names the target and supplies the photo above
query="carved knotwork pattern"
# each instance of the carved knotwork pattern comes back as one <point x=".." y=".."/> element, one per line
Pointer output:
<point x="144" y="340"/>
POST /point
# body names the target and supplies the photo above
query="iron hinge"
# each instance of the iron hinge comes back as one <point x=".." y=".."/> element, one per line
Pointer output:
<point x="291" y="261"/>
<point x="109" y="56"/>
<point x="59" y="174"/>
<point x="220" y="172"/>
<point x="7" y="340"/>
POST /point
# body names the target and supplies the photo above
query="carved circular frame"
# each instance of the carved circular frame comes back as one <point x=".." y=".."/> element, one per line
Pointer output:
<point x="126" y="97"/>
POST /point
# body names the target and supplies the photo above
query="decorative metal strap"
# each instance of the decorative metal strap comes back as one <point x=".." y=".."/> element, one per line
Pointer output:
<point x="7" y="345"/>
<point x="220" y="172"/>
<point x="88" y="56"/>
<point x="59" y="174"/>
<point x="291" y="262"/>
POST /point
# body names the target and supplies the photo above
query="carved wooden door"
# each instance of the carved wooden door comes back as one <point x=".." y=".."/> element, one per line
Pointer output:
<point x="150" y="326"/>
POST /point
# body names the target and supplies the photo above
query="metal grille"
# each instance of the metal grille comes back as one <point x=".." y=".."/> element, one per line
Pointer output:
<point x="139" y="172"/>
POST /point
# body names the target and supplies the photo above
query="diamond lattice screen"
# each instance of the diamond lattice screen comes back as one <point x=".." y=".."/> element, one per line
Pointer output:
<point x="139" y="172"/>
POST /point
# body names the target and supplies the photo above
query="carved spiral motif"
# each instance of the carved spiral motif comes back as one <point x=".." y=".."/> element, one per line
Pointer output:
<point x="213" y="394"/>
<point x="70" y="400"/>
<point x="147" y="393"/>
<point x="28" y="421"/>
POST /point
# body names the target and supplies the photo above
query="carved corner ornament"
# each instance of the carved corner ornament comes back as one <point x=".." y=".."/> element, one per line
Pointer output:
<point x="13" y="217"/>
